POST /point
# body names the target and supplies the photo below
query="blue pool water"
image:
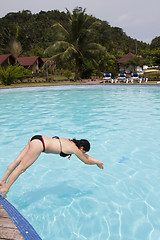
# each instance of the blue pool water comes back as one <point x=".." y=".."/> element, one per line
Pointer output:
<point x="68" y="200"/>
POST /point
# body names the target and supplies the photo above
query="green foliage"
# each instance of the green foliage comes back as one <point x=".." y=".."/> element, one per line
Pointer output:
<point x="152" y="56"/>
<point x="156" y="56"/>
<point x="68" y="74"/>
<point x="36" y="51"/>
<point x="77" y="35"/>
<point x="75" y="41"/>
<point x="136" y="61"/>
<point x="155" y="43"/>
<point x="86" y="69"/>
<point x="108" y="63"/>
<point x="35" y="30"/>
<point x="7" y="76"/>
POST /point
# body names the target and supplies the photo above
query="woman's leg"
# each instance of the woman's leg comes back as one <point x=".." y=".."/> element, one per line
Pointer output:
<point x="13" y="165"/>
<point x="34" y="150"/>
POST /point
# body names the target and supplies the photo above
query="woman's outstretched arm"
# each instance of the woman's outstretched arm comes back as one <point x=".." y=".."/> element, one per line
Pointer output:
<point x="99" y="163"/>
<point x="88" y="159"/>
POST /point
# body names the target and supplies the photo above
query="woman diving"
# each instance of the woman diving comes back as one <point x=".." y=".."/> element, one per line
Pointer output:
<point x="37" y="144"/>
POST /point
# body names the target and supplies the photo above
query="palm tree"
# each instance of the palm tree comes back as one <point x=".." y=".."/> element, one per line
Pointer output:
<point x="75" y="39"/>
<point x="15" y="46"/>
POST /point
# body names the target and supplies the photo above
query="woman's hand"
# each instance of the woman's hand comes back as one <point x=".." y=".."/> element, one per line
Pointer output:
<point x="88" y="159"/>
<point x="100" y="165"/>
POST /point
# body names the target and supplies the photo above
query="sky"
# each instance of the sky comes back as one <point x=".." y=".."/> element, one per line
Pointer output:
<point x="139" y="19"/>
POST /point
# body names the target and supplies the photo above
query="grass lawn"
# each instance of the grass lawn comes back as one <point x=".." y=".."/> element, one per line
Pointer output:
<point x="39" y="84"/>
<point x="41" y="81"/>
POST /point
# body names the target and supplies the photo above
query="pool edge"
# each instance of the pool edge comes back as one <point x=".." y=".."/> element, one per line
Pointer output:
<point x="24" y="227"/>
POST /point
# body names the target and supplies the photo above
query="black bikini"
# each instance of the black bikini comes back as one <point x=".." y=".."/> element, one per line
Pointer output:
<point x="62" y="154"/>
<point x="39" y="137"/>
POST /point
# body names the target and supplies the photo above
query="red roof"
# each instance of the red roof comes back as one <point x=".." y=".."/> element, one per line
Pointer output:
<point x="4" y="57"/>
<point x="50" y="62"/>
<point x="44" y="59"/>
<point x="27" y="61"/>
<point x="126" y="58"/>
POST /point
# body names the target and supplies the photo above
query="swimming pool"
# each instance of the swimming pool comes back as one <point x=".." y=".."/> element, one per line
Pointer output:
<point x="68" y="200"/>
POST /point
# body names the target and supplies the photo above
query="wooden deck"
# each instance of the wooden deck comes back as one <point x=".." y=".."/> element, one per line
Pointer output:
<point x="8" y="231"/>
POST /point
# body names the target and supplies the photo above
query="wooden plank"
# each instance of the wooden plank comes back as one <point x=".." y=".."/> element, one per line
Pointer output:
<point x="3" y="213"/>
<point x="18" y="229"/>
<point x="10" y="234"/>
<point x="8" y="231"/>
<point x="7" y="223"/>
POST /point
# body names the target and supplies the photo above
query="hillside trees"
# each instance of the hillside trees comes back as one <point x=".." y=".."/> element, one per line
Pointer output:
<point x="35" y="31"/>
<point x="155" y="43"/>
<point x="155" y="50"/>
<point x="36" y="34"/>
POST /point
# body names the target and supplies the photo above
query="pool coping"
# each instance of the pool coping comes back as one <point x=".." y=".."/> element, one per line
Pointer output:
<point x="24" y="227"/>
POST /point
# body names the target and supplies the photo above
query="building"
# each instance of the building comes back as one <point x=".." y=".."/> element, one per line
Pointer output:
<point x="6" y="60"/>
<point x="32" y="63"/>
<point x="125" y="68"/>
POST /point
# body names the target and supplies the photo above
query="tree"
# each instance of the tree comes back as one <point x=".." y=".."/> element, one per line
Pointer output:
<point x="75" y="39"/>
<point x="15" y="46"/>
<point x="9" y="41"/>
<point x="155" y="43"/>
<point x="156" y="56"/>
<point x="35" y="31"/>
<point x="108" y="63"/>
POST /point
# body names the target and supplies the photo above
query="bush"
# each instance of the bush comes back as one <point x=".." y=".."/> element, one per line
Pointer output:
<point x="68" y="74"/>
<point x="7" y="76"/>
<point x="86" y="70"/>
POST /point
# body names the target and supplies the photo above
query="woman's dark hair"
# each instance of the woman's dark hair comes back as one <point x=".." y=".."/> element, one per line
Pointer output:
<point x="82" y="143"/>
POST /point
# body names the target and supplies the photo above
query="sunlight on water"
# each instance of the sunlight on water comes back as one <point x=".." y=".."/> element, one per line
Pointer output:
<point x="65" y="199"/>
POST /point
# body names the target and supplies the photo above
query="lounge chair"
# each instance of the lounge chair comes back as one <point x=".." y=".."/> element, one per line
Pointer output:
<point x="145" y="79"/>
<point x="122" y="78"/>
<point x="107" y="78"/>
<point x="136" y="77"/>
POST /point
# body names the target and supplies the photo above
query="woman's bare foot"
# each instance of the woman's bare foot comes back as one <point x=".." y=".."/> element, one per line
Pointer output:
<point x="3" y="192"/>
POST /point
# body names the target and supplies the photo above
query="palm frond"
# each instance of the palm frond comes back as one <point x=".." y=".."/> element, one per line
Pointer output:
<point x="61" y="45"/>
<point x="69" y="52"/>
<point x="16" y="48"/>
<point x="95" y="24"/>
<point x="96" y="47"/>
<point x="50" y="60"/>
<point x="58" y="46"/>
<point x="94" y="51"/>
<point x="60" y="30"/>
<point x="69" y="15"/>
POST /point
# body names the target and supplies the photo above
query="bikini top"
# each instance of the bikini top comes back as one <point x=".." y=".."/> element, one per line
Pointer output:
<point x="62" y="154"/>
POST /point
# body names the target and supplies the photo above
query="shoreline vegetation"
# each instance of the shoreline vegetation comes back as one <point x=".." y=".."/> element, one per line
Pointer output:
<point x="71" y="82"/>
<point x="57" y="79"/>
